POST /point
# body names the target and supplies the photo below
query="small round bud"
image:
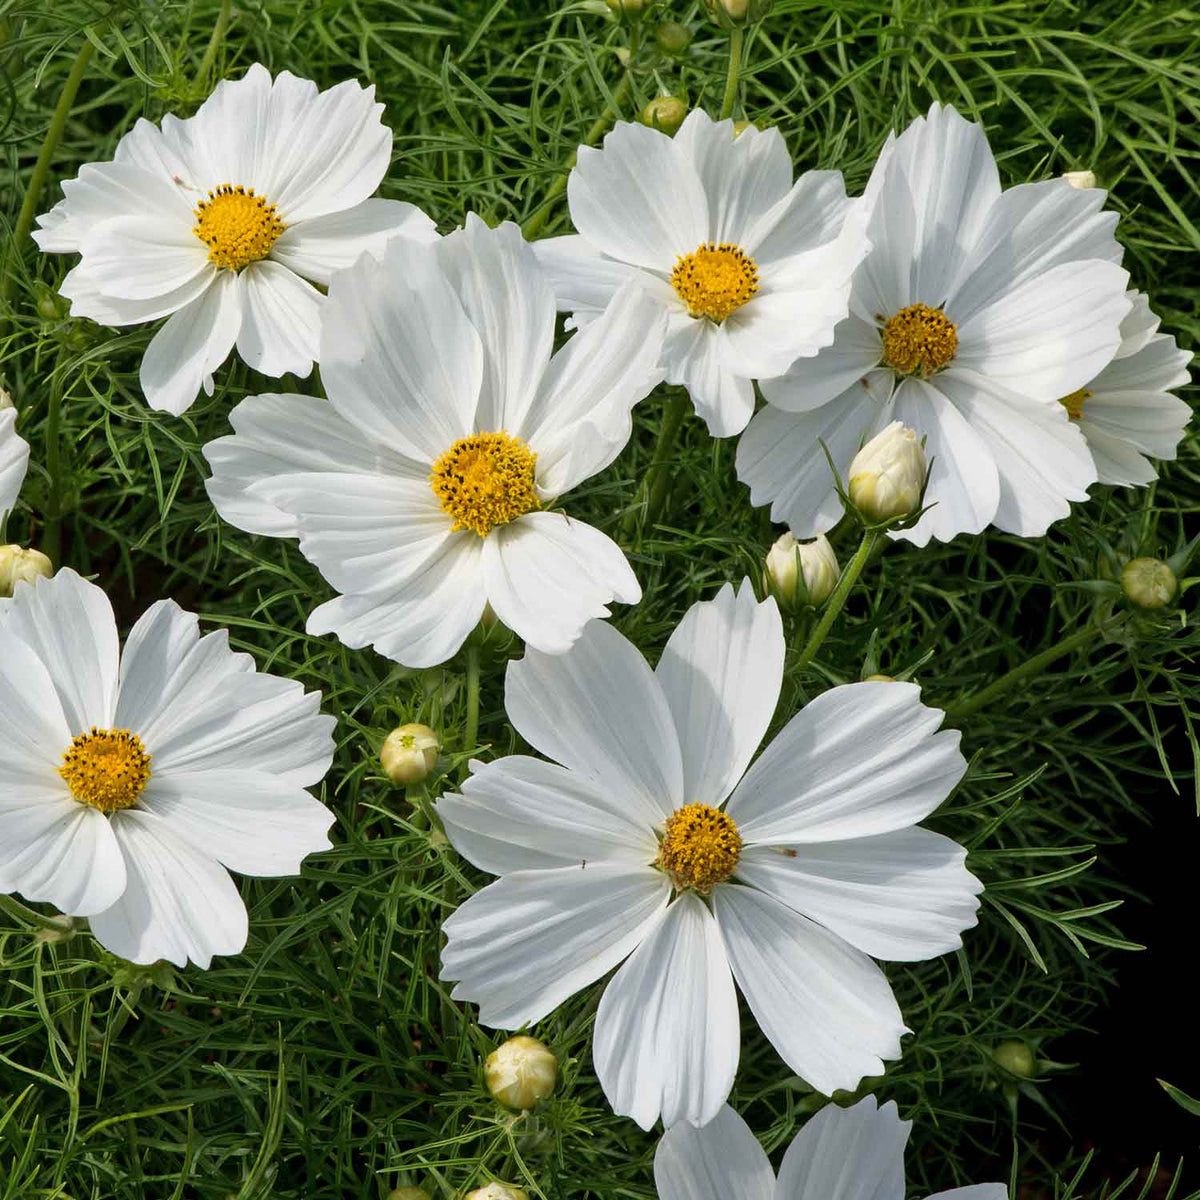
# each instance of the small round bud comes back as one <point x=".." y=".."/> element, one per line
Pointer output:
<point x="521" y="1072"/>
<point x="789" y="560"/>
<point x="673" y="38"/>
<point x="880" y="679"/>
<point x="17" y="564"/>
<point x="630" y="10"/>
<point x="6" y="400"/>
<point x="1148" y="582"/>
<point x="729" y="13"/>
<point x="1080" y="179"/>
<point x="665" y="113"/>
<point x="1016" y="1058"/>
<point x="408" y="753"/>
<point x="408" y="1193"/>
<point x="498" y="1191"/>
<point x="887" y="475"/>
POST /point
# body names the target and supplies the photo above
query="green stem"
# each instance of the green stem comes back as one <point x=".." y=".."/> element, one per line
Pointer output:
<point x="49" y="145"/>
<point x="61" y="925"/>
<point x="52" y="537"/>
<point x="471" y="733"/>
<point x="533" y="224"/>
<point x="214" y="43"/>
<point x="653" y="492"/>
<point x="1031" y="666"/>
<point x="735" y="67"/>
<point x="837" y="600"/>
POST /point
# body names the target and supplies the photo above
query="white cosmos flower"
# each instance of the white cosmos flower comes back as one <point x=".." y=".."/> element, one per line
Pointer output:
<point x="420" y="489"/>
<point x="14" y="460"/>
<point x="753" y="269"/>
<point x="974" y="312"/>
<point x="130" y="781"/>
<point x="647" y="841"/>
<point x="1127" y="413"/>
<point x="841" y="1154"/>
<point x="225" y="221"/>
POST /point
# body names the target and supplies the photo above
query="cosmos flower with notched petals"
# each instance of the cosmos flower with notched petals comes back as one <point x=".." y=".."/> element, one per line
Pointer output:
<point x="14" y="460"/>
<point x="752" y="269"/>
<point x="422" y="489"/>
<point x="974" y="312"/>
<point x="648" y="842"/>
<point x="224" y="221"/>
<point x="841" y="1154"/>
<point x="132" y="782"/>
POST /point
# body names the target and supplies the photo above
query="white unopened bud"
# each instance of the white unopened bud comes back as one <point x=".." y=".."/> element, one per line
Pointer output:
<point x="815" y="562"/>
<point x="498" y="1191"/>
<point x="887" y="474"/>
<point x="17" y="564"/>
<point x="521" y="1072"/>
<point x="6" y="400"/>
<point x="1148" y="582"/>
<point x="408" y="753"/>
<point x="1080" y="179"/>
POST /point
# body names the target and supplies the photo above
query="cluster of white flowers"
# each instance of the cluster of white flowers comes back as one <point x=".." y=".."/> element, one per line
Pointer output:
<point x="988" y="337"/>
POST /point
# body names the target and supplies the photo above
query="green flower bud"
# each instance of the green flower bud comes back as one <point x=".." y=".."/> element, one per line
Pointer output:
<point x="498" y="1191"/>
<point x="665" y="113"/>
<point x="1016" y="1058"/>
<point x="627" y="10"/>
<point x="880" y="679"/>
<point x="730" y="13"/>
<point x="789" y="561"/>
<point x="521" y="1072"/>
<point x="1149" y="583"/>
<point x="408" y="1193"/>
<point x="408" y="753"/>
<point x="673" y="38"/>
<point x="18" y="564"/>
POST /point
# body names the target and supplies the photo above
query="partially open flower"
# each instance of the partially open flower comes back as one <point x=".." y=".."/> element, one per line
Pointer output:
<point x="1080" y="179"/>
<point x="789" y="561"/>
<point x="409" y="752"/>
<point x="887" y="474"/>
<point x="1149" y="583"/>
<point x="665" y="113"/>
<point x="498" y="1191"/>
<point x="17" y="564"/>
<point x="521" y="1072"/>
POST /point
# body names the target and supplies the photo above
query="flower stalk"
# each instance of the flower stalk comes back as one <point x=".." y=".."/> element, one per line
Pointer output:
<point x="838" y="599"/>
<point x="736" y="38"/>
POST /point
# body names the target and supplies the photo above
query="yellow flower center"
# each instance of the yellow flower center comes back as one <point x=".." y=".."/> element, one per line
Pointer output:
<point x="1074" y="403"/>
<point x="919" y="339"/>
<point x="714" y="280"/>
<point x="107" y="768"/>
<point x="237" y="226"/>
<point x="485" y="480"/>
<point x="700" y="848"/>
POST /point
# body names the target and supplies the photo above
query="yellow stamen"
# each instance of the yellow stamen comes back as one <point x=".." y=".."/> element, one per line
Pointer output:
<point x="485" y="480"/>
<point x="701" y="847"/>
<point x="714" y="280"/>
<point x="919" y="339"/>
<point x="1074" y="403"/>
<point x="237" y="226"/>
<point x="107" y="768"/>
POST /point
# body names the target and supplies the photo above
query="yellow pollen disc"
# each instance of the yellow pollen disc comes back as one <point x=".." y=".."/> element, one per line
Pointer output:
<point x="237" y="226"/>
<point x="485" y="480"/>
<point x="107" y="768"/>
<point x="1074" y="403"/>
<point x="701" y="847"/>
<point x="714" y="280"/>
<point x="919" y="339"/>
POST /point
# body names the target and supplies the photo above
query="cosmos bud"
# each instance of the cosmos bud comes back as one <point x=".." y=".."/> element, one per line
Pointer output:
<point x="498" y="1191"/>
<point x="408" y="753"/>
<point x="17" y="564"/>
<point x="888" y="474"/>
<point x="1080" y="179"/>
<point x="673" y="38"/>
<point x="6" y="400"/>
<point x="628" y="10"/>
<point x="408" y="1193"/>
<point x="789" y="561"/>
<point x="1149" y="583"/>
<point x="521" y="1072"/>
<point x="665" y="113"/>
<point x="1016" y="1058"/>
<point x="730" y="13"/>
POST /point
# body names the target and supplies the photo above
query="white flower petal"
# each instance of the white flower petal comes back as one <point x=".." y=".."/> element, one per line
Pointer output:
<point x="812" y="382"/>
<point x="196" y="705"/>
<point x="811" y="214"/>
<point x="1139" y="326"/>
<point x="580" y="419"/>
<point x="14" y="460"/>
<point x="847" y="1154"/>
<point x="34" y="733"/>
<point x="177" y="904"/>
<point x="230" y="136"/>
<point x="399" y="356"/>
<point x="281" y="320"/>
<point x="721" y="672"/>
<point x="56" y="850"/>
<point x="825" y="1007"/>
<point x="860" y="759"/>
<point x="68" y="623"/>
<point x="531" y="940"/>
<point x="193" y="343"/>
<point x="977" y="1191"/>
<point x="320" y="246"/>
<point x="1052" y="333"/>
<point x="144" y="257"/>
<point x="284" y="435"/>
<point x="902" y="896"/>
<point x="781" y="459"/>
<point x="1158" y="365"/>
<point x="508" y="299"/>
<point x="964" y="484"/>
<point x="719" y="1162"/>
<point x="547" y="575"/>
<point x="667" y="1034"/>
<point x="599" y="710"/>
<point x="163" y="153"/>
<point x="1041" y="458"/>
<point x="249" y="821"/>
<point x="1117" y="462"/>
<point x="520" y="813"/>
<point x="424" y="621"/>
<point x="724" y="401"/>
<point x="639" y="199"/>
<point x="583" y="279"/>
<point x="883" y="283"/>
<point x="87" y="300"/>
